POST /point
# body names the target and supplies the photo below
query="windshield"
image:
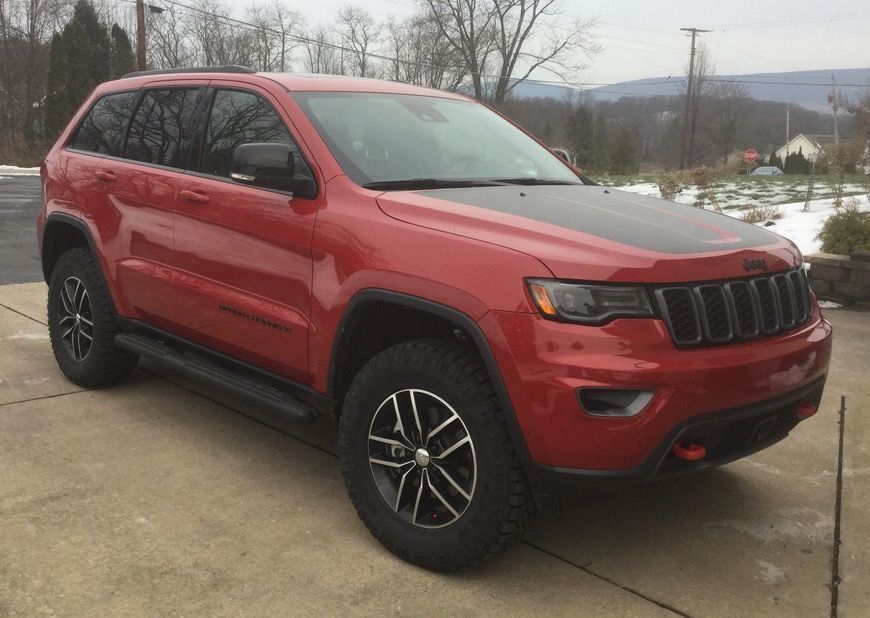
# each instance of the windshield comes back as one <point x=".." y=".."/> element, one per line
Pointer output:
<point x="387" y="140"/>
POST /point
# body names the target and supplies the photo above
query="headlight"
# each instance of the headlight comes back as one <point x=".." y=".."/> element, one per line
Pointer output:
<point x="588" y="304"/>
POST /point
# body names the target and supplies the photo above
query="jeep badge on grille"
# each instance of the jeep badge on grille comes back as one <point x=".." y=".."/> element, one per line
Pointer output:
<point x="756" y="264"/>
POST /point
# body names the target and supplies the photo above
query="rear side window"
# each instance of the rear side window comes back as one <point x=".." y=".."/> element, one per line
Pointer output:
<point x="162" y="127"/>
<point x="102" y="131"/>
<point x="239" y="118"/>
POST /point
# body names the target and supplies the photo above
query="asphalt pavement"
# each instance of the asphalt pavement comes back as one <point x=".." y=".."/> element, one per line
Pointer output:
<point x="19" y="205"/>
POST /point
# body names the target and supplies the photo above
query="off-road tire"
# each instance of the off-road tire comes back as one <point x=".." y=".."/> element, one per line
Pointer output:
<point x="104" y="364"/>
<point x="501" y="507"/>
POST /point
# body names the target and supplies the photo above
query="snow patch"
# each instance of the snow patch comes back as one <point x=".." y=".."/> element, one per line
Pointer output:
<point x="829" y="304"/>
<point x="798" y="226"/>
<point x="14" y="170"/>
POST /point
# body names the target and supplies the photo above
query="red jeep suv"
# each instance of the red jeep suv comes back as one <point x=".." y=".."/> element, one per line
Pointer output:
<point x="489" y="327"/>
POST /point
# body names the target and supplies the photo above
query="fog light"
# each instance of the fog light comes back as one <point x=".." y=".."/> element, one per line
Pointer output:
<point x="614" y="402"/>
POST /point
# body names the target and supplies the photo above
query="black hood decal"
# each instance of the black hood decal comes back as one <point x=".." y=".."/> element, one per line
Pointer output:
<point x="634" y="220"/>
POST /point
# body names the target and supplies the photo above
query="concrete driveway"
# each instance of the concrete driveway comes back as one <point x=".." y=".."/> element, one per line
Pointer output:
<point x="158" y="497"/>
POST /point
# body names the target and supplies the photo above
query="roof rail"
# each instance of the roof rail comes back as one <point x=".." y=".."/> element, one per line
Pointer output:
<point x="229" y="68"/>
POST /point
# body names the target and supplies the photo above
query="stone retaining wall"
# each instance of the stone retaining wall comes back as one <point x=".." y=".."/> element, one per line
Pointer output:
<point x="841" y="278"/>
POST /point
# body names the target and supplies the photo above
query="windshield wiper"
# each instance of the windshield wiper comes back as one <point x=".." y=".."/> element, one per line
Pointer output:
<point x="430" y="183"/>
<point x="533" y="181"/>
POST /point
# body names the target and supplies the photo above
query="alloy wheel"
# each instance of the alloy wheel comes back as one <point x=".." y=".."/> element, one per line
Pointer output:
<point x="422" y="458"/>
<point x="76" y="319"/>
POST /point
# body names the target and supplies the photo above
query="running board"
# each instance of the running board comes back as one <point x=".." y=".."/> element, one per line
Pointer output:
<point x="257" y="391"/>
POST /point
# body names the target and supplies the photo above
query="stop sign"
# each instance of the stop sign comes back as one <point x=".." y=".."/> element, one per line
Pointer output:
<point x="751" y="155"/>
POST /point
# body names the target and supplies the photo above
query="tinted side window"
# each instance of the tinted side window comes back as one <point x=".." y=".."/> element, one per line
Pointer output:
<point x="103" y="129"/>
<point x="240" y="118"/>
<point x="162" y="128"/>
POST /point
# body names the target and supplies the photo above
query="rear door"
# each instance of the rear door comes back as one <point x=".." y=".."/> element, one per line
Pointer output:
<point x="243" y="253"/>
<point x="141" y="185"/>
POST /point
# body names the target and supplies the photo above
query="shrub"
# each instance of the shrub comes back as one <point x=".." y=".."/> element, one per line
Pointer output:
<point x="846" y="231"/>
<point x="758" y="214"/>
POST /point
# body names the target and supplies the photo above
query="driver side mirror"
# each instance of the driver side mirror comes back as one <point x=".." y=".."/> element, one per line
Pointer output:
<point x="272" y="166"/>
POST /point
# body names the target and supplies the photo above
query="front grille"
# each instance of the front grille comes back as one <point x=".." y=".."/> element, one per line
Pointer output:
<point x="725" y="312"/>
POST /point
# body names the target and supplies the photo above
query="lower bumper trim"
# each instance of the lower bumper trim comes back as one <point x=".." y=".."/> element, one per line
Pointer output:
<point x="726" y="435"/>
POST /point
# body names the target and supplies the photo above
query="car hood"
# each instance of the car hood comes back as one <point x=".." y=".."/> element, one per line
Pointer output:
<point x="594" y="233"/>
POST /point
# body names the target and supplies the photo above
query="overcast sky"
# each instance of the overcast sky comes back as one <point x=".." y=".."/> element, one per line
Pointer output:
<point x="642" y="38"/>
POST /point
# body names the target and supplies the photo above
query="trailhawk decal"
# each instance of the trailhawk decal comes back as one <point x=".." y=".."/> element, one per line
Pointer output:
<point x="254" y="318"/>
<point x="635" y="220"/>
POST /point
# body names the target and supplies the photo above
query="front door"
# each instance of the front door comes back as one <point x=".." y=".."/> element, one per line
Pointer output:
<point x="242" y="254"/>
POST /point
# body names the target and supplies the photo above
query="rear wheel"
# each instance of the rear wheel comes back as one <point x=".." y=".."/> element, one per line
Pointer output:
<point x="82" y="324"/>
<point x="427" y="458"/>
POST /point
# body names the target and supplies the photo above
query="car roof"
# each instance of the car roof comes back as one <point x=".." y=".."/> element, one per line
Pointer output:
<point x="293" y="82"/>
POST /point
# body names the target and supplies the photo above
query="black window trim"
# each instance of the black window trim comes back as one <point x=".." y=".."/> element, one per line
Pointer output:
<point x="75" y="132"/>
<point x="198" y="142"/>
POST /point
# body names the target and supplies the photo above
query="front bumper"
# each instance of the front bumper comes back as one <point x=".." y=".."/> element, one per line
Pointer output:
<point x="543" y="363"/>
<point x="728" y="435"/>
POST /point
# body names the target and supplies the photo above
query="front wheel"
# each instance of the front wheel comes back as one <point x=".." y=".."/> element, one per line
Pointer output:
<point x="427" y="459"/>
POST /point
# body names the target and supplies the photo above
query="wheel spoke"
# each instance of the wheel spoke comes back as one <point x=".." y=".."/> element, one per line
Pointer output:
<point x="68" y="331"/>
<point x="443" y="499"/>
<point x="87" y="321"/>
<point x="390" y="464"/>
<point x="424" y="480"/>
<point x="438" y="429"/>
<point x="66" y="300"/>
<point x="389" y="441"/>
<point x="65" y="318"/>
<point x="401" y="489"/>
<point x="400" y="426"/>
<point x="416" y="415"/>
<point x="449" y="450"/>
<point x="453" y="482"/>
<point x="74" y="341"/>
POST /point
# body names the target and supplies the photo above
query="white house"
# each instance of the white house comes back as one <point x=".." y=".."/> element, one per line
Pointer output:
<point x="809" y="145"/>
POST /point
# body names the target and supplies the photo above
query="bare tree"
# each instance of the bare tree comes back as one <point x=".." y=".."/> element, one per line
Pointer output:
<point x="321" y="53"/>
<point x="217" y="39"/>
<point x="168" y="39"/>
<point x="502" y="42"/>
<point x="275" y="30"/>
<point x="359" y="35"/>
<point x="700" y="85"/>
<point x="420" y="54"/>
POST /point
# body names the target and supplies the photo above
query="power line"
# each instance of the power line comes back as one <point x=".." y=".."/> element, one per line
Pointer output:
<point x="564" y="83"/>
<point x="794" y="21"/>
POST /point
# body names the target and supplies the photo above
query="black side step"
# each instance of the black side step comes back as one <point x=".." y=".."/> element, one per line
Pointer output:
<point x="257" y="391"/>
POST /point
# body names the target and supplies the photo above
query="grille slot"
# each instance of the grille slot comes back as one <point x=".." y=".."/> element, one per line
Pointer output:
<point x="682" y="315"/>
<point x="743" y="308"/>
<point x="715" y="313"/>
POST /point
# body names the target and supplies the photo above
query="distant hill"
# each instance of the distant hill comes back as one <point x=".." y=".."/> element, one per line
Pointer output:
<point x="770" y="87"/>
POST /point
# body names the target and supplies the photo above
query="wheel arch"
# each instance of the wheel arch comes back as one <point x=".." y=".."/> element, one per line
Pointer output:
<point x="61" y="233"/>
<point x="353" y="344"/>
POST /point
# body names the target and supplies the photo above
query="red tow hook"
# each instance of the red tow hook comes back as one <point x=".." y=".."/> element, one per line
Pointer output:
<point x="693" y="452"/>
<point x="805" y="410"/>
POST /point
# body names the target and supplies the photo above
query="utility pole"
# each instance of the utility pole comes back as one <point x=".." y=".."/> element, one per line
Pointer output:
<point x="689" y="111"/>
<point x="787" y="132"/>
<point x="140" y="35"/>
